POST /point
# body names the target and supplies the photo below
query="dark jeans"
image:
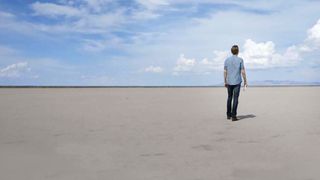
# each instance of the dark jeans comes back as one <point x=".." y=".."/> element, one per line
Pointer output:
<point x="233" y="93"/>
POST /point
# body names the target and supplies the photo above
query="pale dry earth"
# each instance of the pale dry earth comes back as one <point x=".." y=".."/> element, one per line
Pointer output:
<point x="159" y="134"/>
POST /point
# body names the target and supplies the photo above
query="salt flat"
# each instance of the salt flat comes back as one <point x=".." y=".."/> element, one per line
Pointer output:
<point x="159" y="134"/>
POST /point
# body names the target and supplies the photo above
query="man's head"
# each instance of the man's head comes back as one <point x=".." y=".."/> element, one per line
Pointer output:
<point x="235" y="50"/>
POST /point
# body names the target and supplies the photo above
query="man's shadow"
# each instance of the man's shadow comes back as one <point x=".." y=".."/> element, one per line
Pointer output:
<point x="248" y="116"/>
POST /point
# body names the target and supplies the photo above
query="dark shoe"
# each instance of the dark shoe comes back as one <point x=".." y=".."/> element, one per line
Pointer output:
<point x="228" y="117"/>
<point x="235" y="119"/>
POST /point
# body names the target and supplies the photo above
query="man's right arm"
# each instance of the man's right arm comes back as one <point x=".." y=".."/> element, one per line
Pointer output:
<point x="225" y="78"/>
<point x="225" y="73"/>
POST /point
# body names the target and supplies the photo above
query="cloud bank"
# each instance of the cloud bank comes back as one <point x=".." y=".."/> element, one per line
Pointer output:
<point x="256" y="55"/>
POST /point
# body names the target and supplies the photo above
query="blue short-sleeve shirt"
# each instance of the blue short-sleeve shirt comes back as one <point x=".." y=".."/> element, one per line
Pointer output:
<point x="233" y="65"/>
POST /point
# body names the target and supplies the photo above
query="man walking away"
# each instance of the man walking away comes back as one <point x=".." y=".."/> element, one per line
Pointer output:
<point x="233" y="68"/>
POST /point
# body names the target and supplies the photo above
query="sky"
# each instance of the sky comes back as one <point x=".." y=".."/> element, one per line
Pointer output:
<point x="156" y="42"/>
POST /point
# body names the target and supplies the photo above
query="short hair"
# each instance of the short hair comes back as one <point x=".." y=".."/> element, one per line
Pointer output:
<point x="235" y="49"/>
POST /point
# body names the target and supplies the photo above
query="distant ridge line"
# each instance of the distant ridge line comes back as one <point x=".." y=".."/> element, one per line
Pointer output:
<point x="209" y="86"/>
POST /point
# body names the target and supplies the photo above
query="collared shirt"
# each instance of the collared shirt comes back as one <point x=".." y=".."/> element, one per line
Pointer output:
<point x="233" y="65"/>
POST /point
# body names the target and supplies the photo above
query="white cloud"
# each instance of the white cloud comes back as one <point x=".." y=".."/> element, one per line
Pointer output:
<point x="11" y="23"/>
<point x="91" y="16"/>
<point x="205" y="66"/>
<point x="144" y="15"/>
<point x="314" y="34"/>
<point x="260" y="55"/>
<point x="54" y="10"/>
<point x="96" y="5"/>
<point x="184" y="64"/>
<point x="153" y="4"/>
<point x="94" y="46"/>
<point x="263" y="55"/>
<point x="101" y="21"/>
<point x="154" y="69"/>
<point x="150" y="8"/>
<point x="216" y="63"/>
<point x="14" y="70"/>
<point x="6" y="15"/>
<point x="100" y="45"/>
<point x="83" y="17"/>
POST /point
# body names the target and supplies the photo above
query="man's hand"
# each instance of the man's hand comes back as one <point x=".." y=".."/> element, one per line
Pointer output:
<point x="243" y="72"/>
<point x="245" y="84"/>
<point x="225" y="78"/>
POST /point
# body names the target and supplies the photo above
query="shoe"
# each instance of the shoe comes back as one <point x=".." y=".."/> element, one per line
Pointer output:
<point x="235" y="119"/>
<point x="228" y="117"/>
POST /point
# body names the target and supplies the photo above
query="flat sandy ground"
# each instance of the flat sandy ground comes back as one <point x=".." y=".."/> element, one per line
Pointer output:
<point x="159" y="134"/>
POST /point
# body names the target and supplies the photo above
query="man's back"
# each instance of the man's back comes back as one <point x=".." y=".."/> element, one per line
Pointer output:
<point x="233" y="65"/>
<point x="233" y="68"/>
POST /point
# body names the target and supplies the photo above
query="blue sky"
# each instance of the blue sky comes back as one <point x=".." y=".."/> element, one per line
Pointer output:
<point x="156" y="42"/>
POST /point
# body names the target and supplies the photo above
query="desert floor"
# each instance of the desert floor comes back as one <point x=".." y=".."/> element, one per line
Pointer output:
<point x="159" y="134"/>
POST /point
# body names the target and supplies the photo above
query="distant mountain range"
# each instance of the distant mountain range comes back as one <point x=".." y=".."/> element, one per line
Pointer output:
<point x="283" y="82"/>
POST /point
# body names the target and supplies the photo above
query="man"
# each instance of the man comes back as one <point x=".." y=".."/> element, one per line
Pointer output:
<point x="233" y="68"/>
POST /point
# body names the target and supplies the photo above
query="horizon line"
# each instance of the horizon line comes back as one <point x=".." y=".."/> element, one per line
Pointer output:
<point x="143" y="86"/>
